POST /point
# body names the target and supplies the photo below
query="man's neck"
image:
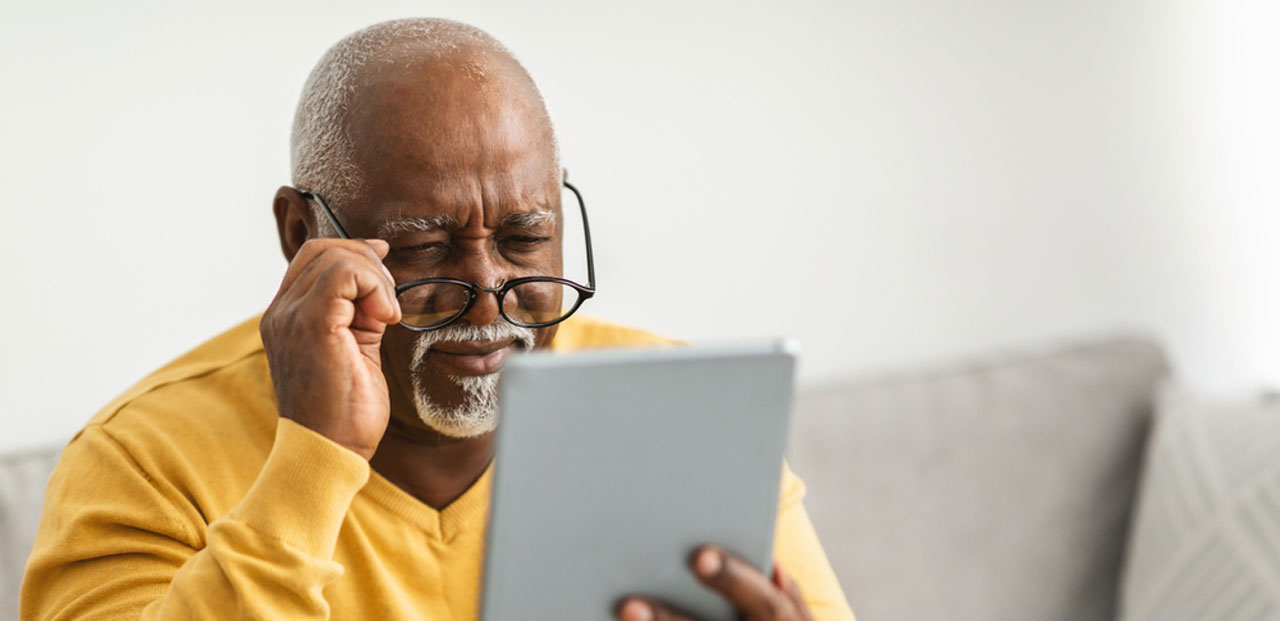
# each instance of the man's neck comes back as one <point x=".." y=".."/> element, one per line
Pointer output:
<point x="431" y="467"/>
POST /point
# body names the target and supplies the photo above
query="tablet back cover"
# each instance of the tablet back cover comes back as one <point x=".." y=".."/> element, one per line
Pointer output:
<point x="613" y="466"/>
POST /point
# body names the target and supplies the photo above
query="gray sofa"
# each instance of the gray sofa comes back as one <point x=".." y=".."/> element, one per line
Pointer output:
<point x="22" y="479"/>
<point x="993" y="491"/>
<point x="989" y="491"/>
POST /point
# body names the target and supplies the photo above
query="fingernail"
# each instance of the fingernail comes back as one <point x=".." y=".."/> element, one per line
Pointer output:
<point x="637" y="611"/>
<point x="709" y="563"/>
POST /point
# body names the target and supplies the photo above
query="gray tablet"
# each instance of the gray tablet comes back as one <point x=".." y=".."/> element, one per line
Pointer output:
<point x="613" y="466"/>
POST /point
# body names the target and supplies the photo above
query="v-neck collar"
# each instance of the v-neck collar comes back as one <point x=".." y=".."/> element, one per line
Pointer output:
<point x="464" y="513"/>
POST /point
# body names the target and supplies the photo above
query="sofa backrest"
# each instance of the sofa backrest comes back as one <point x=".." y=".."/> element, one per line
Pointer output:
<point x="993" y="491"/>
<point x="22" y="480"/>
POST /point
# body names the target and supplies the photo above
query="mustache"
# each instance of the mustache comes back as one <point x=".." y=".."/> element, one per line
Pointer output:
<point x="497" y="331"/>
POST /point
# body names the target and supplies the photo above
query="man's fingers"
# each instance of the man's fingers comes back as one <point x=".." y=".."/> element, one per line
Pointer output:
<point x="380" y="247"/>
<point x="784" y="581"/>
<point x="302" y="261"/>
<point x="756" y="596"/>
<point x="302" y="270"/>
<point x="348" y="280"/>
<point x="351" y="271"/>
<point x="743" y="585"/>
<point x="359" y="250"/>
<point x="640" y="609"/>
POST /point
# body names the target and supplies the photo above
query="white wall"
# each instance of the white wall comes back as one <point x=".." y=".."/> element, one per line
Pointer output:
<point x="889" y="181"/>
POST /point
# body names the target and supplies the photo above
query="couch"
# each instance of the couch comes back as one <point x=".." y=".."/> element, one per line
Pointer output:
<point x="992" y="490"/>
<point x="996" y="490"/>
<point x="22" y="479"/>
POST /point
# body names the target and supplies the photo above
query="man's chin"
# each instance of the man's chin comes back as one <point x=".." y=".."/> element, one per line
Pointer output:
<point x="470" y="413"/>
<point x="461" y="430"/>
<point x="454" y="375"/>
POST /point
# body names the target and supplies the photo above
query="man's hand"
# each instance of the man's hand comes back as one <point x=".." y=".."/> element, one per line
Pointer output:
<point x="323" y="337"/>
<point x="754" y="596"/>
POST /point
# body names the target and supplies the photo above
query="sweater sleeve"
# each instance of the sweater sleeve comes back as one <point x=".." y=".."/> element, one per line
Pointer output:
<point x="116" y="543"/>
<point x="799" y="553"/>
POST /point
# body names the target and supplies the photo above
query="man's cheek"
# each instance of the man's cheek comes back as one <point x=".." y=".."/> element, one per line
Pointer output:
<point x="544" y="336"/>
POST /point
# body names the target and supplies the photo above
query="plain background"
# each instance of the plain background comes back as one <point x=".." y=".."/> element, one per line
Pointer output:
<point x="891" y="182"/>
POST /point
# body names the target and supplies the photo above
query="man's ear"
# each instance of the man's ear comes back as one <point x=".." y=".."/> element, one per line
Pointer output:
<point x="293" y="220"/>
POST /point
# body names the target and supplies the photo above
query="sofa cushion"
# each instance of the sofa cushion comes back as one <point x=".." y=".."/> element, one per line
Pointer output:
<point x="1206" y="538"/>
<point x="22" y="480"/>
<point x="991" y="491"/>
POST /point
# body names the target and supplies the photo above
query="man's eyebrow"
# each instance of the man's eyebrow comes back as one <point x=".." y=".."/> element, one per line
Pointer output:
<point x="410" y="225"/>
<point x="527" y="220"/>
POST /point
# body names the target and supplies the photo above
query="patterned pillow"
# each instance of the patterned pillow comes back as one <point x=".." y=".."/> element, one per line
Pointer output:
<point x="1205" y="541"/>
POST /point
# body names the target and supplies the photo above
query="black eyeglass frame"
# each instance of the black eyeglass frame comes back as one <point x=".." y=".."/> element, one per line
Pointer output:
<point x="474" y="289"/>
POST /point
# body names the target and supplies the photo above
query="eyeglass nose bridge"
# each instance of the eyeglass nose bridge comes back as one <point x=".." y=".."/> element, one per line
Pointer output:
<point x="499" y="292"/>
<point x="498" y="289"/>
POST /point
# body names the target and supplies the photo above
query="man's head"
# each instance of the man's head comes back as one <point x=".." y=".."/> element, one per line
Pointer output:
<point x="429" y="134"/>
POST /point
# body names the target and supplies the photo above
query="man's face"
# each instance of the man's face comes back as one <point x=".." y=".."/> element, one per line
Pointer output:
<point x="454" y="162"/>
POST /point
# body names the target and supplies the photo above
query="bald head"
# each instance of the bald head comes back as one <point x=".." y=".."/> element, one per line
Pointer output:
<point x="422" y="93"/>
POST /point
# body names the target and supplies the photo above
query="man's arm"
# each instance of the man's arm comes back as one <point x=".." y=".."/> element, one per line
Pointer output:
<point x="116" y="538"/>
<point x="117" y="542"/>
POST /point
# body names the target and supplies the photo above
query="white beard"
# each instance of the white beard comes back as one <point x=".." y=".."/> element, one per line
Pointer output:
<point x="477" y="414"/>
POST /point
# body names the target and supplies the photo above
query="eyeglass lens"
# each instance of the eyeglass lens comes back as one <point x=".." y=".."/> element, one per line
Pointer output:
<point x="528" y="304"/>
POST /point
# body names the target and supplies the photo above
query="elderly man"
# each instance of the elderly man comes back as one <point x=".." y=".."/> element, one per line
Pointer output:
<point x="334" y="458"/>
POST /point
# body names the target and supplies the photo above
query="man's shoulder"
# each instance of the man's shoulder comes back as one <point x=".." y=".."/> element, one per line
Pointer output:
<point x="579" y="332"/>
<point x="200" y="426"/>
<point x="229" y="366"/>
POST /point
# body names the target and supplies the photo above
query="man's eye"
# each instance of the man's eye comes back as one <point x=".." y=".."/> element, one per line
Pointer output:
<point x="428" y="249"/>
<point x="526" y="241"/>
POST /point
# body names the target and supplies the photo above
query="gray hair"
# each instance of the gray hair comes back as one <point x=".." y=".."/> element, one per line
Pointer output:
<point x="322" y="155"/>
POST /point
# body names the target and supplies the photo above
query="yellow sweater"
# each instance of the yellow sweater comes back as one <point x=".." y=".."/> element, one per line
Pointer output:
<point x="188" y="497"/>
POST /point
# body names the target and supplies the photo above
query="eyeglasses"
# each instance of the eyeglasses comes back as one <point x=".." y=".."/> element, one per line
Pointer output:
<point x="429" y="304"/>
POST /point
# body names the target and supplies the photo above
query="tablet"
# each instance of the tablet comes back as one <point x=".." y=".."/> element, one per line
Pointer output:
<point x="613" y="466"/>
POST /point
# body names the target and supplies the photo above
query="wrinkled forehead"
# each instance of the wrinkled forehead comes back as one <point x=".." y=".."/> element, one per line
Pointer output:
<point x="470" y="123"/>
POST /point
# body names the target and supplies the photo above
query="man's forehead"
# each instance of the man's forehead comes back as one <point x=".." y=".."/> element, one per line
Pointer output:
<point x="444" y="121"/>
<point x="445" y="136"/>
<point x="430" y="196"/>
<point x="456" y="102"/>
<point x="451" y="202"/>
<point x="516" y="184"/>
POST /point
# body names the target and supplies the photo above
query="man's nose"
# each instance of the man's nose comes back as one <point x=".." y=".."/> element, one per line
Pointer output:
<point x="485" y="309"/>
<point x="482" y="271"/>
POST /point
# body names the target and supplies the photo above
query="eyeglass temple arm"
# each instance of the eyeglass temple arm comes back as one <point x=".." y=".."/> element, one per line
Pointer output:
<point x="586" y="231"/>
<point x="328" y="213"/>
